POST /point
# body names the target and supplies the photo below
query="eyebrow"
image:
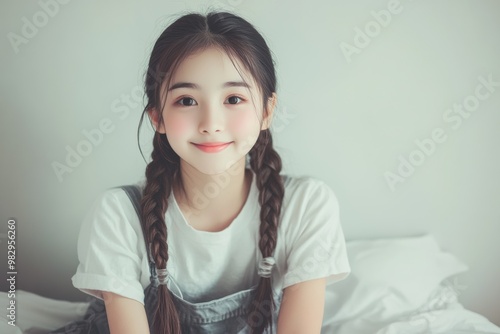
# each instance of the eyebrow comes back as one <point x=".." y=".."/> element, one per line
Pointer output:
<point x="195" y="86"/>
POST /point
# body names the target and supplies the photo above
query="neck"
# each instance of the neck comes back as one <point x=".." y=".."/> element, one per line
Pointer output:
<point x="215" y="197"/>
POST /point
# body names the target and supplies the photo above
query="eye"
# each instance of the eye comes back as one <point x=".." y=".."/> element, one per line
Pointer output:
<point x="234" y="99"/>
<point x="186" y="101"/>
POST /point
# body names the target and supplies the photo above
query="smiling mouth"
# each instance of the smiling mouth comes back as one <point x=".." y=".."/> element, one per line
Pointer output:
<point x="213" y="144"/>
<point x="212" y="147"/>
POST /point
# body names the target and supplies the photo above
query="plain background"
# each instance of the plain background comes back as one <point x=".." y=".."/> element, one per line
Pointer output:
<point x="348" y="120"/>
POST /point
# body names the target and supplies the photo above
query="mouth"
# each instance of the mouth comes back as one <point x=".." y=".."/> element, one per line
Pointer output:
<point x="212" y="147"/>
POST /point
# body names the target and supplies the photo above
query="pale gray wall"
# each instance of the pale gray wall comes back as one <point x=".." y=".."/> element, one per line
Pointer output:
<point x="345" y="119"/>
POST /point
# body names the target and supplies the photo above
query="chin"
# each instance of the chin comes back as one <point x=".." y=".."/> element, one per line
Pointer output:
<point x="209" y="169"/>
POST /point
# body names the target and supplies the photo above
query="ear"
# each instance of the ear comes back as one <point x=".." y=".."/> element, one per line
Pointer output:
<point x="271" y="104"/>
<point x="154" y="116"/>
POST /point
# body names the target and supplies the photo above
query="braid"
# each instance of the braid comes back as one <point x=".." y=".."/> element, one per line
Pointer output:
<point x="266" y="164"/>
<point x="160" y="174"/>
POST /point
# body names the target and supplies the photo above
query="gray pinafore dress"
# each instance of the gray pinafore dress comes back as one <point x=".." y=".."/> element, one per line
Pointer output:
<point x="226" y="315"/>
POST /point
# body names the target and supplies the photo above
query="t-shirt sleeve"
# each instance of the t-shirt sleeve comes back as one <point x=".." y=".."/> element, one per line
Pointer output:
<point x="108" y="251"/>
<point x="318" y="248"/>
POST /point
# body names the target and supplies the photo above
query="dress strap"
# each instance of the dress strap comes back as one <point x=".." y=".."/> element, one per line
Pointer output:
<point x="135" y="196"/>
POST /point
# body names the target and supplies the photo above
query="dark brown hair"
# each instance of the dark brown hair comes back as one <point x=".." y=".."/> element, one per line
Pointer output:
<point x="240" y="40"/>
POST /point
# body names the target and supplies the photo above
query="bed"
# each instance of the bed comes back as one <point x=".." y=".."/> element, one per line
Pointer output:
<point x="405" y="285"/>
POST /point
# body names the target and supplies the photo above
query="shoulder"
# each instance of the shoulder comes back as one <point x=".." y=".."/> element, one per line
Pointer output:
<point x="116" y="198"/>
<point x="113" y="210"/>
<point x="309" y="206"/>
<point x="111" y="248"/>
<point x="309" y="203"/>
<point x="304" y="188"/>
<point x="312" y="240"/>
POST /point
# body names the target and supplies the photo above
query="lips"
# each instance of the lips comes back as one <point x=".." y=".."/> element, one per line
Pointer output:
<point x="211" y="144"/>
<point x="212" y="147"/>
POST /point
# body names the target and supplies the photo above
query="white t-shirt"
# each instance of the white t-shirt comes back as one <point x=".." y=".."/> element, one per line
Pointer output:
<point x="211" y="265"/>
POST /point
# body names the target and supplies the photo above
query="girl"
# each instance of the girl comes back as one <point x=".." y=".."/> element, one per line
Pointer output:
<point x="230" y="244"/>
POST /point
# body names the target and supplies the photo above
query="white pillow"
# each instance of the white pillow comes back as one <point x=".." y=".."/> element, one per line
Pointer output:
<point x="5" y="328"/>
<point x="38" y="314"/>
<point x="390" y="277"/>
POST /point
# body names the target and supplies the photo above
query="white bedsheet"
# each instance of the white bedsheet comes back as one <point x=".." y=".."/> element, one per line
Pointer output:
<point x="448" y="317"/>
<point x="447" y="321"/>
<point x="38" y="315"/>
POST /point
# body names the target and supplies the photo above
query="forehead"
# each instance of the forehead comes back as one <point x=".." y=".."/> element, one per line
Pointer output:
<point x="211" y="67"/>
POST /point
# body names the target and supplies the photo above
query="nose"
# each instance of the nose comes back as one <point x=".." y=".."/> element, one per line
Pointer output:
<point x="212" y="120"/>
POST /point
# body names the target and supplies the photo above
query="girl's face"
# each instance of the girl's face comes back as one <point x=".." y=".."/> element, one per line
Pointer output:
<point x="208" y="103"/>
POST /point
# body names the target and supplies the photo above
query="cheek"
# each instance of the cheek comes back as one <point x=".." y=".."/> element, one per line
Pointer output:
<point x="246" y="123"/>
<point x="246" y="129"/>
<point x="176" y="126"/>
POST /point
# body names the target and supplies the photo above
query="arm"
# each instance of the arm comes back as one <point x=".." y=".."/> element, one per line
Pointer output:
<point x="302" y="308"/>
<point x="125" y="315"/>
